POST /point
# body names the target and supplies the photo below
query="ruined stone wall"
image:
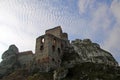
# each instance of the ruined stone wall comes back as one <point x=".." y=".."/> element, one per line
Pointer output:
<point x="41" y="48"/>
<point x="55" y="51"/>
<point x="49" y="50"/>
<point x="25" y="58"/>
<point x="57" y="31"/>
<point x="64" y="36"/>
<point x="55" y="48"/>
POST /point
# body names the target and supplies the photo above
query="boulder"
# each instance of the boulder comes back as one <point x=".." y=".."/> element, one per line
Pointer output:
<point x="9" y="60"/>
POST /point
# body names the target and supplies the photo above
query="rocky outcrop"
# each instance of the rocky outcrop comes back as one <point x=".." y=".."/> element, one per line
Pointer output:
<point x="81" y="54"/>
<point x="56" y="58"/>
<point x="91" y="52"/>
<point x="60" y="73"/>
<point x="9" y="61"/>
<point x="12" y="59"/>
<point x="85" y="52"/>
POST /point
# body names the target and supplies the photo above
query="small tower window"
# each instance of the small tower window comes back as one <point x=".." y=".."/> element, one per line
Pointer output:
<point x="53" y="59"/>
<point x="41" y="47"/>
<point x="58" y="61"/>
<point x="62" y="46"/>
<point x="53" y="48"/>
<point x="54" y="41"/>
<point x="38" y="61"/>
<point x="42" y="40"/>
<point x="59" y="50"/>
<point x="24" y="65"/>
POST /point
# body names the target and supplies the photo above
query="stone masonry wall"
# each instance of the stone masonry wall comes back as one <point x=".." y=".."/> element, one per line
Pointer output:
<point x="57" y="31"/>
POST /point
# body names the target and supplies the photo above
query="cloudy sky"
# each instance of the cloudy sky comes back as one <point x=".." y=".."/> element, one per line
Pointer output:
<point x="21" y="21"/>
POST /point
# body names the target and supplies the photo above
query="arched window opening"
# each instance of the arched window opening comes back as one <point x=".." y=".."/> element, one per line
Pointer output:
<point x="58" y="61"/>
<point x="53" y="59"/>
<point x="38" y="61"/>
<point x="41" y="47"/>
<point x="53" y="48"/>
<point x="24" y="65"/>
<point x="59" y="50"/>
<point x="42" y="40"/>
<point x="54" y="41"/>
<point x="62" y="46"/>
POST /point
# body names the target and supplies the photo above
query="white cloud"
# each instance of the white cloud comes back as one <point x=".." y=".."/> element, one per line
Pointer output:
<point x="84" y="5"/>
<point x="99" y="21"/>
<point x="100" y="18"/>
<point x="112" y="43"/>
<point x="104" y="21"/>
<point x="113" y="40"/>
<point x="115" y="8"/>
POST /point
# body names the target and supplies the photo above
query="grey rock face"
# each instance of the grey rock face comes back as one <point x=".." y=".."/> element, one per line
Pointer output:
<point x="60" y="73"/>
<point x="9" y="56"/>
<point x="91" y="52"/>
<point x="9" y="60"/>
<point x="79" y="51"/>
<point x="12" y="51"/>
<point x="13" y="59"/>
<point x="70" y="57"/>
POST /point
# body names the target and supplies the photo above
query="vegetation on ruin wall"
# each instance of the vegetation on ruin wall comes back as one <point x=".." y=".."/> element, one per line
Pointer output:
<point x="93" y="71"/>
<point x="25" y="75"/>
<point x="83" y="71"/>
<point x="41" y="76"/>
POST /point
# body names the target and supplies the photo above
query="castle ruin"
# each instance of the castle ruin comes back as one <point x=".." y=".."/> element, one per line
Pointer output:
<point x="49" y="48"/>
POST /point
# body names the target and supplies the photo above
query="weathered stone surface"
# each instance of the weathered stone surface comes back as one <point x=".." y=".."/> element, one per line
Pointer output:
<point x="54" y="52"/>
<point x="13" y="59"/>
<point x="49" y="49"/>
<point x="25" y="59"/>
<point x="70" y="57"/>
<point x="91" y="52"/>
<point x="12" y="51"/>
<point x="9" y="60"/>
<point x="60" y="73"/>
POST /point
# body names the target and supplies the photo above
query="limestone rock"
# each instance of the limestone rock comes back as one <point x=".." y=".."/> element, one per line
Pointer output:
<point x="12" y="51"/>
<point x="54" y="52"/>
<point x="9" y="60"/>
<point x="91" y="52"/>
<point x="69" y="58"/>
<point x="60" y="73"/>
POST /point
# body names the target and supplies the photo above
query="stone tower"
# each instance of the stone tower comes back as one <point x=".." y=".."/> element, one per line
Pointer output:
<point x="49" y="48"/>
